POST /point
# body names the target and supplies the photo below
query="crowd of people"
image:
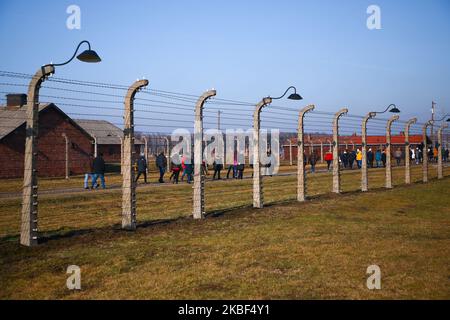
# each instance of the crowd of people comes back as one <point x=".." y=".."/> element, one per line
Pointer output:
<point x="347" y="160"/>
<point x="353" y="159"/>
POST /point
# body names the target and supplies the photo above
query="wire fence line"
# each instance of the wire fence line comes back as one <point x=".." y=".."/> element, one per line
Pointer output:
<point x="90" y="120"/>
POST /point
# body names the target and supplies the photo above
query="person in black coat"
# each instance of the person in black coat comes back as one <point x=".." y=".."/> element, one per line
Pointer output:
<point x="345" y="158"/>
<point x="240" y="169"/>
<point x="370" y="158"/>
<point x="351" y="158"/>
<point x="161" y="163"/>
<point x="312" y="161"/>
<point x="99" y="171"/>
<point x="142" y="168"/>
<point x="383" y="158"/>
<point x="217" y="168"/>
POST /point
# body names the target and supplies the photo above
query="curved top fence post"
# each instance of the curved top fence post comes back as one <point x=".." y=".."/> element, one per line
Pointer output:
<point x="425" y="151"/>
<point x="199" y="179"/>
<point x="128" y="184"/>
<point x="336" y="168"/>
<point x="364" y="178"/>
<point x="408" y="125"/>
<point x="258" y="196"/>
<point x="301" y="177"/>
<point x="29" y="216"/>
<point x="389" y="152"/>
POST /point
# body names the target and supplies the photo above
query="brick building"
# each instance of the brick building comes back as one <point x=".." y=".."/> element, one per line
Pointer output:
<point x="107" y="139"/>
<point x="53" y="124"/>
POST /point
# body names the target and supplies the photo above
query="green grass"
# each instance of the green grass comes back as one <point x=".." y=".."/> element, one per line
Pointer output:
<point x="317" y="249"/>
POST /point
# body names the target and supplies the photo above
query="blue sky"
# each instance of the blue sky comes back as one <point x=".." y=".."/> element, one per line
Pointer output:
<point x="247" y="49"/>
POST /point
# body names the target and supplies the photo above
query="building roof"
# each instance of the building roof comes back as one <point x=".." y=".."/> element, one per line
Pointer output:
<point x="105" y="132"/>
<point x="10" y="120"/>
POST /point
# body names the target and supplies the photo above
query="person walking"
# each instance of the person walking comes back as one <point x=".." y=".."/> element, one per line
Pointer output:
<point x="204" y="168"/>
<point x="183" y="167"/>
<point x="233" y="167"/>
<point x="161" y="163"/>
<point x="359" y="158"/>
<point x="435" y="154"/>
<point x="312" y="162"/>
<point x="378" y="158"/>
<point x="351" y="159"/>
<point x="176" y="168"/>
<point x="240" y="169"/>
<point x="90" y="173"/>
<point x="418" y="155"/>
<point x="142" y="168"/>
<point x="430" y="154"/>
<point x="398" y="156"/>
<point x="99" y="171"/>
<point x="189" y="171"/>
<point x="383" y="157"/>
<point x="217" y="168"/>
<point x="345" y="159"/>
<point x="329" y="159"/>
<point x="370" y="158"/>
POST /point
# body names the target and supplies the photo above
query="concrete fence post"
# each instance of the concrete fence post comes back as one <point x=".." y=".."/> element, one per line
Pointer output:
<point x="301" y="175"/>
<point x="66" y="140"/>
<point x="388" y="152"/>
<point x="336" y="167"/>
<point x="128" y="184"/>
<point x="440" y="172"/>
<point x="425" y="152"/>
<point x="121" y="153"/>
<point x="290" y="152"/>
<point x="364" y="176"/>
<point x="29" y="214"/>
<point x="321" y="151"/>
<point x="95" y="146"/>
<point x="146" y="152"/>
<point x="168" y="153"/>
<point x="407" y="158"/>
<point x="199" y="178"/>
<point x="258" y="196"/>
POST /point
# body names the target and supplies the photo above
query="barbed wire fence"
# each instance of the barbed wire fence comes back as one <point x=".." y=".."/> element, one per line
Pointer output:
<point x="90" y="114"/>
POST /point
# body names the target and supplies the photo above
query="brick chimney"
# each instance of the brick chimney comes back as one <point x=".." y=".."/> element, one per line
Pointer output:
<point x="15" y="100"/>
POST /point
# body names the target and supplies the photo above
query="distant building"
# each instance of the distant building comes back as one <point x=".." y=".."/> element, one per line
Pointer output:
<point x="53" y="123"/>
<point x="85" y="138"/>
<point x="108" y="138"/>
<point x="323" y="143"/>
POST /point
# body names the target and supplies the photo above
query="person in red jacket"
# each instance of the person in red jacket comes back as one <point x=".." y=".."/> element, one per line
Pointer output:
<point x="328" y="158"/>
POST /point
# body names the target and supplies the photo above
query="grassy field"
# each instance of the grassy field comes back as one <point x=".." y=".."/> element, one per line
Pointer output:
<point x="317" y="249"/>
<point x="85" y="210"/>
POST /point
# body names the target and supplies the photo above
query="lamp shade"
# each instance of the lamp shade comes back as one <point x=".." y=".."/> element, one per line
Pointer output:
<point x="89" y="56"/>
<point x="295" y="96"/>
<point x="395" y="110"/>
